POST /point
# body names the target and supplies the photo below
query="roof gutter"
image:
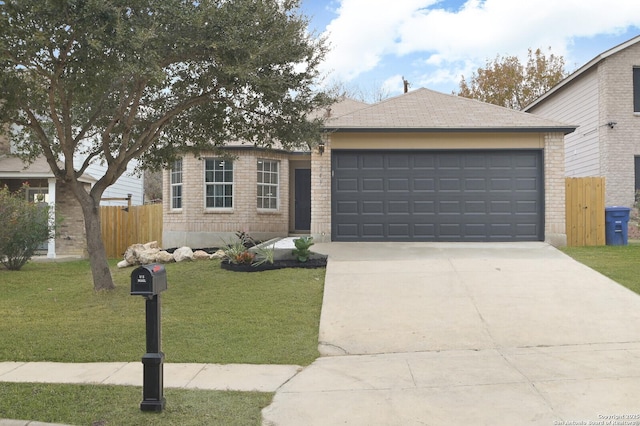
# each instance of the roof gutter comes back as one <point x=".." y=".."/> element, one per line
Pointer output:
<point x="564" y="130"/>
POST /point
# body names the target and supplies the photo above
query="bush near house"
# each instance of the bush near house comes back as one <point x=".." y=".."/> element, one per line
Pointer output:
<point x="26" y="226"/>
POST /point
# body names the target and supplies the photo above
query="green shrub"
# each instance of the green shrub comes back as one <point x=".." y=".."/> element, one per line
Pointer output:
<point x="237" y="253"/>
<point x="302" y="252"/>
<point x="26" y="226"/>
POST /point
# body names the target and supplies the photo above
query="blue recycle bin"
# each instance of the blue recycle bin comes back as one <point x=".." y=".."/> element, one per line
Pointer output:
<point x="616" y="225"/>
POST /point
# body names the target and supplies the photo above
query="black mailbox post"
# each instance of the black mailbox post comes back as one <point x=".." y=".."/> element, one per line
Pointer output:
<point x="149" y="281"/>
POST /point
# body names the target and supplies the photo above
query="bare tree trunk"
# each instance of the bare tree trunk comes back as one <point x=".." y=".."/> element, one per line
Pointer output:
<point x="102" y="279"/>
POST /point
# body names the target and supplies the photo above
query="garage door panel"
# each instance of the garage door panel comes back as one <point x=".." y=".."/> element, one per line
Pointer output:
<point x="372" y="230"/>
<point x="373" y="184"/>
<point x="373" y="207"/>
<point x="424" y="185"/>
<point x="399" y="207"/>
<point x="372" y="163"/>
<point x="475" y="184"/>
<point x="398" y="161"/>
<point x="450" y="184"/>
<point x="347" y="162"/>
<point x="400" y="230"/>
<point x="526" y="184"/>
<point x="347" y="207"/>
<point x="424" y="207"/>
<point x="475" y="207"/>
<point x="529" y="207"/>
<point x="347" y="185"/>
<point x="398" y="184"/>
<point x="437" y="196"/>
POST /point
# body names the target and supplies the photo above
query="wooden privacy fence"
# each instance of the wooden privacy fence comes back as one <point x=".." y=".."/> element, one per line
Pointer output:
<point x="123" y="226"/>
<point x="585" y="220"/>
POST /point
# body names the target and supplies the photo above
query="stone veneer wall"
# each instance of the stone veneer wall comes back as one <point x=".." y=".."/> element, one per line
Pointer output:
<point x="195" y="226"/>
<point x="71" y="239"/>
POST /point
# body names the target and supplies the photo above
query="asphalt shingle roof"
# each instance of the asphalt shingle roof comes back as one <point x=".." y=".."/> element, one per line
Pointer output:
<point x="427" y="110"/>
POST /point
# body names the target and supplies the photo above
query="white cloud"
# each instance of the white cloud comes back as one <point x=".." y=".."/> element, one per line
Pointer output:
<point x="451" y="41"/>
<point x="363" y="32"/>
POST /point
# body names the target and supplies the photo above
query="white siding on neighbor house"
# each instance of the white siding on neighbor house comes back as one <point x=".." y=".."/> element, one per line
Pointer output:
<point x="577" y="104"/>
<point x="128" y="183"/>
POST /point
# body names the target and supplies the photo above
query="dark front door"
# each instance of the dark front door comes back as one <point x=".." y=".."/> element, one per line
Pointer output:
<point x="303" y="199"/>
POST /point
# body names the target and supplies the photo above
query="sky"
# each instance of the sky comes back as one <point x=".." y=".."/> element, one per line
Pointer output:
<point x="433" y="43"/>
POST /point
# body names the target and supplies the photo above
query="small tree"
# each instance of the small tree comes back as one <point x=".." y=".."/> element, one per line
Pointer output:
<point x="26" y="226"/>
<point x="505" y="81"/>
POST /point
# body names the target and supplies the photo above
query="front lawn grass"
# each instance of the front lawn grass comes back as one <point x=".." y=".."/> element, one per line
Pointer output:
<point x="119" y="405"/>
<point x="50" y="312"/>
<point x="620" y="263"/>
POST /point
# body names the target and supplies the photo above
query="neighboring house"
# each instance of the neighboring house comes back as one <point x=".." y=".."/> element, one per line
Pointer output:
<point x="423" y="166"/>
<point x="603" y="99"/>
<point x="70" y="239"/>
<point x="127" y="184"/>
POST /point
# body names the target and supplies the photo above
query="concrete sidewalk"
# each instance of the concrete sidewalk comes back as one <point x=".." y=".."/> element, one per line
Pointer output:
<point x="236" y="377"/>
<point x="466" y="334"/>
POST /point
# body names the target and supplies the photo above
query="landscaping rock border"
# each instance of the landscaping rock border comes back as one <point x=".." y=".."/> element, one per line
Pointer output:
<point x="144" y="254"/>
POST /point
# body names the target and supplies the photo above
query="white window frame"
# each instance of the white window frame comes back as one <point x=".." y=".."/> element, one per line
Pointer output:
<point x="38" y="194"/>
<point x="219" y="179"/>
<point x="175" y="185"/>
<point x="268" y="185"/>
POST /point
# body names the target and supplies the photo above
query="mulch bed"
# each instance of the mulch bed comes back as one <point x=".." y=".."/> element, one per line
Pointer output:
<point x="319" y="262"/>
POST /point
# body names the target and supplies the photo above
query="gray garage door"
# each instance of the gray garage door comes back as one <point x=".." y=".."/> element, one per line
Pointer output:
<point x="437" y="195"/>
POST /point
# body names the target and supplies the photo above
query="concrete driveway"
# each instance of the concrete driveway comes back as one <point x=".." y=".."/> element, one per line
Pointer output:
<point x="467" y="334"/>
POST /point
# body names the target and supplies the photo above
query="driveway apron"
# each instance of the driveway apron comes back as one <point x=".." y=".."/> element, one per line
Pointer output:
<point x="468" y="334"/>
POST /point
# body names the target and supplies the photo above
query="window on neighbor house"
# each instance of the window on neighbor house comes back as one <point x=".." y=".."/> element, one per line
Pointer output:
<point x="636" y="89"/>
<point x="176" y="184"/>
<point x="268" y="184"/>
<point x="38" y="195"/>
<point x="637" y="172"/>
<point x="218" y="178"/>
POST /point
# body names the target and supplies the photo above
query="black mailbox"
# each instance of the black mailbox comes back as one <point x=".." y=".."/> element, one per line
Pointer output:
<point x="148" y="280"/>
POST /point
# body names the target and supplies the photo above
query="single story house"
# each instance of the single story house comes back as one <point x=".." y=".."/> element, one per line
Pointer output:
<point x="422" y="166"/>
<point x="603" y="98"/>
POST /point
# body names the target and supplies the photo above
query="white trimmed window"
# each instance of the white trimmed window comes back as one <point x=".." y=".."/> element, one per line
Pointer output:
<point x="218" y="178"/>
<point x="176" y="184"/>
<point x="268" y="184"/>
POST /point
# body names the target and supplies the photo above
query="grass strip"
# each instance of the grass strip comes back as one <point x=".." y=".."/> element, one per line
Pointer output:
<point x="100" y="405"/>
<point x="620" y="263"/>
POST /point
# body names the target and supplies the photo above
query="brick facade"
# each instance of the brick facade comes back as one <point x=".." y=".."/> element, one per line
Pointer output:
<point x="196" y="226"/>
<point x="554" y="190"/>
<point x="620" y="144"/>
<point x="321" y="193"/>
